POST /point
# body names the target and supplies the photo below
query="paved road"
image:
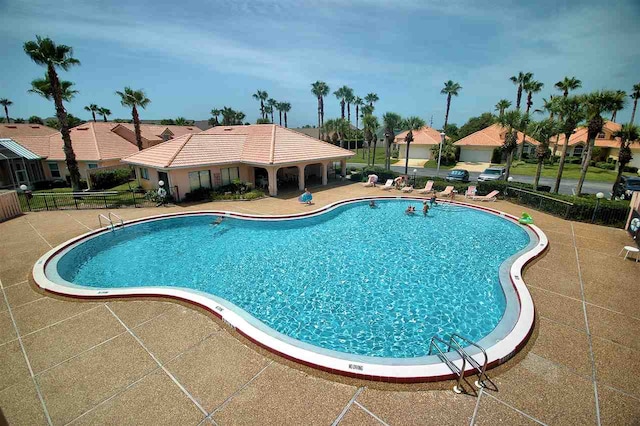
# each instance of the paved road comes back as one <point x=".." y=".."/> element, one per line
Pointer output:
<point x="566" y="185"/>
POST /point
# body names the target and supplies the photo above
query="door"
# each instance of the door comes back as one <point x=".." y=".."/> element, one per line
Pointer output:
<point x="22" y="176"/>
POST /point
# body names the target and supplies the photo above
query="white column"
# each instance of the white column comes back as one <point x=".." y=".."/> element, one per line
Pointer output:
<point x="272" y="172"/>
<point x="325" y="173"/>
<point x="343" y="166"/>
<point x="301" y="177"/>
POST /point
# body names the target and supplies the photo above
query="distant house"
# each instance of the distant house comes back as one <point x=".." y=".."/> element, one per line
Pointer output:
<point x="478" y="147"/>
<point x="96" y="145"/>
<point x="267" y="155"/>
<point x="423" y="140"/>
<point x="314" y="132"/>
<point x="609" y="144"/>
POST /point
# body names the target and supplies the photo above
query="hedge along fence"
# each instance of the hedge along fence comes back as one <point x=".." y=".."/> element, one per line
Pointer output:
<point x="580" y="209"/>
<point x="106" y="179"/>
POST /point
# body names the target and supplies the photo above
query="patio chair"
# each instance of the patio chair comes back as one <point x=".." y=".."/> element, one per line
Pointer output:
<point x="427" y="188"/>
<point x="388" y="185"/>
<point x="407" y="189"/>
<point x="448" y="191"/>
<point x="471" y="192"/>
<point x="489" y="197"/>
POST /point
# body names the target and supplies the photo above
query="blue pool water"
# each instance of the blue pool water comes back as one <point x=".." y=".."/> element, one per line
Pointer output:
<point x="356" y="280"/>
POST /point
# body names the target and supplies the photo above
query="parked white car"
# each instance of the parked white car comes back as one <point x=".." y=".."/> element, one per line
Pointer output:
<point x="492" y="173"/>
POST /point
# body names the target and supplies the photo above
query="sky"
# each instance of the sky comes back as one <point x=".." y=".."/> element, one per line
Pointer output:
<point x="190" y="57"/>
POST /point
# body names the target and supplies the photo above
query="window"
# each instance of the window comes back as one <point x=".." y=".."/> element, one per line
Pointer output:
<point x="201" y="179"/>
<point x="92" y="165"/>
<point x="229" y="175"/>
<point x="55" y="171"/>
<point x="144" y="173"/>
<point x="577" y="151"/>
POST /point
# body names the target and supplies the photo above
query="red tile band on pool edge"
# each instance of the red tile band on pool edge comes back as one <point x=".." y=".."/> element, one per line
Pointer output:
<point x="40" y="267"/>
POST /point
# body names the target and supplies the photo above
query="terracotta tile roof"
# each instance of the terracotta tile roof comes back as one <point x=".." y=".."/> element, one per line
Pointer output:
<point x="424" y="136"/>
<point x="36" y="144"/>
<point x="14" y="129"/>
<point x="153" y="132"/>
<point x="580" y="136"/>
<point x="261" y="144"/>
<point x="491" y="136"/>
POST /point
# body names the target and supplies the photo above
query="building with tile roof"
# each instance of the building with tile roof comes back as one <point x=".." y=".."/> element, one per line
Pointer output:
<point x="478" y="147"/>
<point x="423" y="140"/>
<point x="265" y="155"/>
<point x="96" y="145"/>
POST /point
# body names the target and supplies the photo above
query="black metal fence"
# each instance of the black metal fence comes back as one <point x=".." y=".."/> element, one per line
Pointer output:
<point x="603" y="213"/>
<point x="40" y="201"/>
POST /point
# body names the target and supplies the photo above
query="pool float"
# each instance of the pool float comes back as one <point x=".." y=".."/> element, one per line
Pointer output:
<point x="525" y="219"/>
<point x="305" y="198"/>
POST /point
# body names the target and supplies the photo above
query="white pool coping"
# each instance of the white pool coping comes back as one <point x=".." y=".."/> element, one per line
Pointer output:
<point x="420" y="369"/>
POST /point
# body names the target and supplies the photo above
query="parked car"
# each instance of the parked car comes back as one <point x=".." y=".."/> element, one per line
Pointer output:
<point x="492" y="173"/>
<point x="626" y="186"/>
<point x="458" y="175"/>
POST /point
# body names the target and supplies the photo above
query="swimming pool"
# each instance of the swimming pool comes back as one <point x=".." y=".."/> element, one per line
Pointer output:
<point x="348" y="286"/>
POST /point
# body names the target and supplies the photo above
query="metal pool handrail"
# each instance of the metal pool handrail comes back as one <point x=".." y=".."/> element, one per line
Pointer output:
<point x="481" y="369"/>
<point x="460" y="371"/>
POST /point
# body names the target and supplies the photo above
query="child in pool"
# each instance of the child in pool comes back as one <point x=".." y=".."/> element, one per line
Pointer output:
<point x="425" y="207"/>
<point x="432" y="201"/>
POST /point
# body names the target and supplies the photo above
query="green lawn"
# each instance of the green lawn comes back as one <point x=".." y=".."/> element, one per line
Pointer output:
<point x="433" y="164"/>
<point x="379" y="158"/>
<point x="571" y="171"/>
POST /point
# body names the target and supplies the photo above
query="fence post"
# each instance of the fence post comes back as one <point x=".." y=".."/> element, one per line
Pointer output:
<point x="54" y="202"/>
<point x="104" y="197"/>
<point x="75" y="201"/>
<point x="45" y="202"/>
<point x="133" y="194"/>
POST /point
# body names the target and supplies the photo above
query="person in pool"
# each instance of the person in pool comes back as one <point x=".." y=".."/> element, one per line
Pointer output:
<point x="432" y="201"/>
<point x="372" y="204"/>
<point x="425" y="207"/>
<point x="306" y="197"/>
<point x="218" y="221"/>
<point x="410" y="210"/>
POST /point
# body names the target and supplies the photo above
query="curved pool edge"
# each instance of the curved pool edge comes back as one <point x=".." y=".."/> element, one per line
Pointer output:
<point x="498" y="353"/>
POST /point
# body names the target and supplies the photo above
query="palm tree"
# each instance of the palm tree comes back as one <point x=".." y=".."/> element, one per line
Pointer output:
<point x="512" y="121"/>
<point x="228" y="116"/>
<point x="411" y="123"/>
<point x="339" y="126"/>
<point x="285" y="107"/>
<point x="279" y="107"/>
<point x="531" y="87"/>
<point x="628" y="134"/>
<point x="271" y="105"/>
<point x="550" y="105"/>
<point x="134" y="99"/>
<point x="45" y="52"/>
<point x="261" y="95"/>
<point x="621" y="97"/>
<point x="371" y="126"/>
<point x="450" y="89"/>
<point x="340" y="94"/>
<point x="268" y="111"/>
<point x="239" y="117"/>
<point x="371" y="98"/>
<point x="42" y="87"/>
<point x="635" y="95"/>
<point x="596" y="104"/>
<point x="92" y="108"/>
<point x="542" y="131"/>
<point x="6" y="103"/>
<point x="391" y="122"/>
<point x="502" y="105"/>
<point x="571" y="113"/>
<point x="215" y="113"/>
<point x="565" y="85"/>
<point x="520" y="80"/>
<point x="104" y="112"/>
<point x="358" y="102"/>
<point x="320" y="89"/>
<point x="348" y="98"/>
<point x="181" y="121"/>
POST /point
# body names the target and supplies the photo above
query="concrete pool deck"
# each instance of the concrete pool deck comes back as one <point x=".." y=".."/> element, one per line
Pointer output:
<point x="153" y="361"/>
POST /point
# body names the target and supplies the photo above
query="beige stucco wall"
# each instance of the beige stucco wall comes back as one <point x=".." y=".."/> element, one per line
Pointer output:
<point x="475" y="154"/>
<point x="83" y="166"/>
<point x="421" y="152"/>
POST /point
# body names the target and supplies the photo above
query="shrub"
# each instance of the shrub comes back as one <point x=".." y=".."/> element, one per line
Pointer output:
<point x="382" y="174"/>
<point x="573" y="160"/>
<point x="251" y="195"/>
<point x="198" y="195"/>
<point x="357" y="176"/>
<point x="109" y="178"/>
<point x="605" y="166"/>
<point x="630" y="169"/>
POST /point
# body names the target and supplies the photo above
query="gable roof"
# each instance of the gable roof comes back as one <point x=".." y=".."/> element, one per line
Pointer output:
<point x="154" y="132"/>
<point x="423" y="136"/>
<point x="260" y="144"/>
<point x="492" y="136"/>
<point x="23" y="129"/>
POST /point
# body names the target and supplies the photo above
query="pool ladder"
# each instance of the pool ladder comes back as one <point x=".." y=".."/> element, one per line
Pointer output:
<point x="108" y="219"/>
<point x="464" y="356"/>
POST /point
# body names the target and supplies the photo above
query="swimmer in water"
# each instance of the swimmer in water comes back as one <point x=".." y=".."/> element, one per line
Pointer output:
<point x="425" y="207"/>
<point x="218" y="221"/>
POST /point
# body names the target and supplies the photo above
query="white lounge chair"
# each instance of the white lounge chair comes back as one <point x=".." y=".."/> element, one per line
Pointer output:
<point x="471" y="192"/>
<point x="489" y="197"/>
<point x="388" y="185"/>
<point x="407" y="189"/>
<point x="427" y="188"/>
<point x="448" y="191"/>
